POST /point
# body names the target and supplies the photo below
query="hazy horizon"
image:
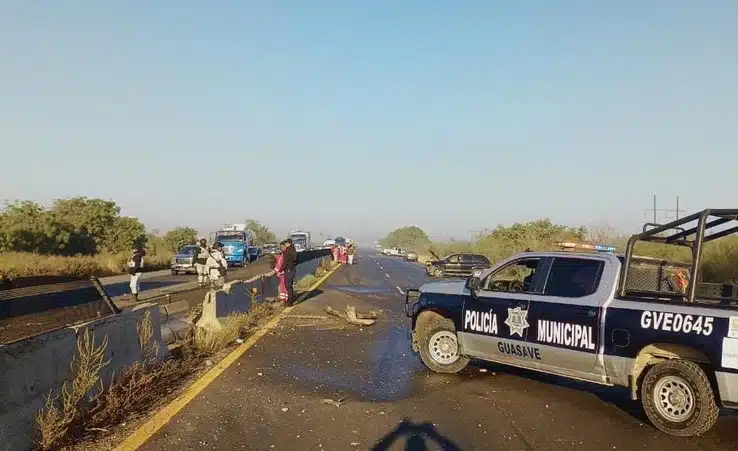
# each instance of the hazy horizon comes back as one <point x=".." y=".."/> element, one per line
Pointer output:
<point x="452" y="117"/>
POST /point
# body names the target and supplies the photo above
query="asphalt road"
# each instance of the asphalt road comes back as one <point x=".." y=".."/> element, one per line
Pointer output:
<point x="119" y="285"/>
<point x="274" y="396"/>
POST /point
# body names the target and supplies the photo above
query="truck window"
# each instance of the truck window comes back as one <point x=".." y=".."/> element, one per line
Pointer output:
<point x="453" y="259"/>
<point x="516" y="277"/>
<point x="573" y="277"/>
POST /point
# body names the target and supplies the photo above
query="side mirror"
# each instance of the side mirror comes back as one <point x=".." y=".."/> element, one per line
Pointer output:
<point x="472" y="283"/>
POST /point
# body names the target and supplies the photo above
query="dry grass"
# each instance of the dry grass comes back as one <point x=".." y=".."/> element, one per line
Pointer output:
<point x="62" y="413"/>
<point x="25" y="264"/>
<point x="305" y="283"/>
<point x="207" y="342"/>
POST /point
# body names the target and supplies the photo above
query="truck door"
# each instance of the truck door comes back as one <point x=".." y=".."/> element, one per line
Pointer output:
<point x="496" y="324"/>
<point x="565" y="314"/>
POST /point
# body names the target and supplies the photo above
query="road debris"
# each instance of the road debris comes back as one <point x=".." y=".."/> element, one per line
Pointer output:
<point x="333" y="402"/>
<point x="350" y="315"/>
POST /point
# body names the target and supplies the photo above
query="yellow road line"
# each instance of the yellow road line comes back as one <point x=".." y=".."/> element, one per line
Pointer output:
<point x="163" y="416"/>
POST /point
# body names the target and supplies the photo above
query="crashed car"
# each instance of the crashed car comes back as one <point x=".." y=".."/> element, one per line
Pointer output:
<point x="589" y="314"/>
<point x="456" y="265"/>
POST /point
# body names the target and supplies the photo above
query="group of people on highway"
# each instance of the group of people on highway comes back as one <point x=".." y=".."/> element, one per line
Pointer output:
<point x="344" y="254"/>
<point x="212" y="267"/>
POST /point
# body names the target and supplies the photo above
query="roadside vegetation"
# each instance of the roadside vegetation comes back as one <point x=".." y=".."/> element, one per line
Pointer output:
<point x="83" y="236"/>
<point x="718" y="264"/>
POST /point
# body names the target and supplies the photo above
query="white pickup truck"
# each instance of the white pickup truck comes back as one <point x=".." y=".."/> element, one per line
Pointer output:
<point x="619" y="320"/>
<point x="394" y="252"/>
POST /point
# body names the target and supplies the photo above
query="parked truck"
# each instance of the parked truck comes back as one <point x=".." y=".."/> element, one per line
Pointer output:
<point x="301" y="240"/>
<point x="651" y="325"/>
<point x="236" y="240"/>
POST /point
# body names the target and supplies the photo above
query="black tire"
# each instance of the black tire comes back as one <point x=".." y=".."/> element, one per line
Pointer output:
<point x="696" y="410"/>
<point x="432" y="336"/>
<point x="439" y="272"/>
<point x="175" y="273"/>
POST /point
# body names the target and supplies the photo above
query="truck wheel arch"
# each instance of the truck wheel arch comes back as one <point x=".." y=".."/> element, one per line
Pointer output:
<point x="426" y="316"/>
<point x="659" y="352"/>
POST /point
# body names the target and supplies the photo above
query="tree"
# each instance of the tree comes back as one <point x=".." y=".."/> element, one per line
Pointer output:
<point x="26" y="226"/>
<point x="90" y="222"/>
<point x="541" y="234"/>
<point x="260" y="233"/>
<point x="125" y="234"/>
<point x="410" y="237"/>
<point x="178" y="237"/>
<point x="72" y="226"/>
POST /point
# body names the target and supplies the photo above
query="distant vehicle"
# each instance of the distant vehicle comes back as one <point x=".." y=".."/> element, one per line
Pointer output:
<point x="235" y="239"/>
<point x="270" y="249"/>
<point x="411" y="257"/>
<point x="254" y="253"/>
<point x="301" y="240"/>
<point x="394" y="252"/>
<point x="184" y="260"/>
<point x="329" y="243"/>
<point x="456" y="265"/>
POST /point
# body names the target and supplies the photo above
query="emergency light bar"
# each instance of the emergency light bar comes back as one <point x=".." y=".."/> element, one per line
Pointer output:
<point x="591" y="247"/>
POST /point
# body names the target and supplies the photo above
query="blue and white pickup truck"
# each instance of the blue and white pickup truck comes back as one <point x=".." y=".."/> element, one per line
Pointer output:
<point x="618" y="320"/>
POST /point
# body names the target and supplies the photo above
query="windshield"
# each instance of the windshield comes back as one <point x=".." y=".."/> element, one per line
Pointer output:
<point x="187" y="250"/>
<point x="270" y="246"/>
<point x="229" y="236"/>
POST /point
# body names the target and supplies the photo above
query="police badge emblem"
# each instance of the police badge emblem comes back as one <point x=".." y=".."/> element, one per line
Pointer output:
<point x="517" y="320"/>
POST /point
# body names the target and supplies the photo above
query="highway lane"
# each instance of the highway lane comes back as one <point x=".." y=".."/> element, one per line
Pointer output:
<point x="274" y="396"/>
<point x="119" y="285"/>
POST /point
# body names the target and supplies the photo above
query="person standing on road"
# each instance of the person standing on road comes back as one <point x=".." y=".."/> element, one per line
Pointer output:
<point x="289" y="266"/>
<point x="201" y="260"/>
<point x="351" y="253"/>
<point x="280" y="273"/>
<point x="135" y="269"/>
<point x="217" y="266"/>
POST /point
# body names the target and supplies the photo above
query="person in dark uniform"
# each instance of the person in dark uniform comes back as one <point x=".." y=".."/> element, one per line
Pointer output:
<point x="135" y="269"/>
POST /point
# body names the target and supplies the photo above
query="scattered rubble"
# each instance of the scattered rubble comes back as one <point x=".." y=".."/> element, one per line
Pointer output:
<point x="352" y="317"/>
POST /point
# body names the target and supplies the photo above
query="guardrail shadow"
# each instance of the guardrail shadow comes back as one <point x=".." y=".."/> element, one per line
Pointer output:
<point x="416" y="437"/>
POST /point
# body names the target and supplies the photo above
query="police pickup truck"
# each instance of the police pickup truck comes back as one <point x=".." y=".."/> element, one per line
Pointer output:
<point x="618" y="320"/>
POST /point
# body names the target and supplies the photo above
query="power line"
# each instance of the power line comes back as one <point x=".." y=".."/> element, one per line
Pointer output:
<point x="666" y="211"/>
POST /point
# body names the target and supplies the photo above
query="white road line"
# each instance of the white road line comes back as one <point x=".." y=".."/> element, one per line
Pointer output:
<point x="400" y="290"/>
<point x="388" y="276"/>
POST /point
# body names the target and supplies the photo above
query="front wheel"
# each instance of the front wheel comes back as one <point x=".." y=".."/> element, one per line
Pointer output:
<point x="439" y="347"/>
<point x="175" y="273"/>
<point x="678" y="398"/>
<point x="438" y="272"/>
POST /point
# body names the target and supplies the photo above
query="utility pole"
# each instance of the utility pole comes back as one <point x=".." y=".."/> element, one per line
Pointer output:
<point x="656" y="210"/>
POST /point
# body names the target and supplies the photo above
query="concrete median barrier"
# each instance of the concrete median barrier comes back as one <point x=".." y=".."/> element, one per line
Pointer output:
<point x="237" y="296"/>
<point x="37" y="366"/>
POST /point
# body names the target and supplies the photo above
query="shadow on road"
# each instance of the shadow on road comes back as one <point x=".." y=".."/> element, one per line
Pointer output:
<point x="121" y="288"/>
<point x="416" y="437"/>
<point x="306" y="296"/>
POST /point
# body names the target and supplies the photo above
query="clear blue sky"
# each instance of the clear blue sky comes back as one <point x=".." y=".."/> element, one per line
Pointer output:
<point x="448" y="115"/>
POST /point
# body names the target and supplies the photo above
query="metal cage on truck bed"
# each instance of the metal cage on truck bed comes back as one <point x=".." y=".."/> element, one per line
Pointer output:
<point x="659" y="278"/>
